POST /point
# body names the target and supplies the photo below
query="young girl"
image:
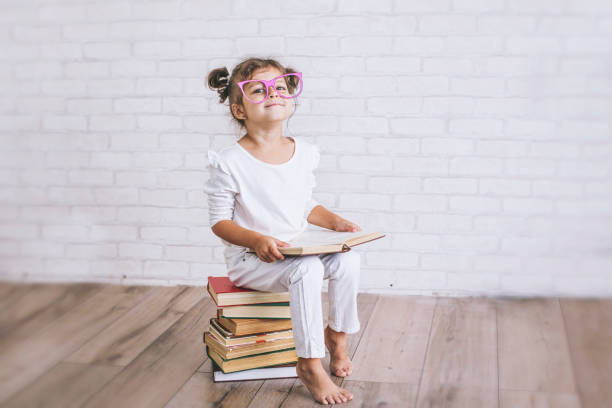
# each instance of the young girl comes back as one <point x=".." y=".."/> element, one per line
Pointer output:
<point x="260" y="196"/>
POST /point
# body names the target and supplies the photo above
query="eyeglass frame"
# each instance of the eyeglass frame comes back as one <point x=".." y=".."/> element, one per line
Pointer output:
<point x="271" y="83"/>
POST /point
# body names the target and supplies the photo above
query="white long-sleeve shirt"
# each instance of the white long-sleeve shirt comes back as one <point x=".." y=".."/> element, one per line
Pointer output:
<point x="272" y="199"/>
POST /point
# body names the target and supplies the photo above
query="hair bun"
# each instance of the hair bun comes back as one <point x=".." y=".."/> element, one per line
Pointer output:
<point x="218" y="79"/>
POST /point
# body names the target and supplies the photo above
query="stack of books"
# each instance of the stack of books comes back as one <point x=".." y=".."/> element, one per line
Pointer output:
<point x="251" y="336"/>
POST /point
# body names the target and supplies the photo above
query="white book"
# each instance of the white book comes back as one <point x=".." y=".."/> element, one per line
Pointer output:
<point x="265" y="373"/>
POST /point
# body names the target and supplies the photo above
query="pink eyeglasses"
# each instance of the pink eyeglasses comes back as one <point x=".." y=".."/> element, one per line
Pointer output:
<point x="287" y="86"/>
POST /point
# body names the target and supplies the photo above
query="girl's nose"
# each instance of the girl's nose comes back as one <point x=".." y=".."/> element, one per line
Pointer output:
<point x="270" y="93"/>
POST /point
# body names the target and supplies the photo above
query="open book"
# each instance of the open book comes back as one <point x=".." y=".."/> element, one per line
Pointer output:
<point x="324" y="241"/>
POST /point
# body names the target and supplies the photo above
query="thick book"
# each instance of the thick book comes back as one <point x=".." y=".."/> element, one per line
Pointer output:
<point x="228" y="339"/>
<point x="260" y="311"/>
<point x="268" y="373"/>
<point x="225" y="293"/>
<point x="272" y="358"/>
<point x="242" y="327"/>
<point x="246" y="350"/>
<point x="324" y="241"/>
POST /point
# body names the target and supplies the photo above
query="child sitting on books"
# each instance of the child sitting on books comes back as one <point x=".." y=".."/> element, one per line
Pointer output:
<point x="259" y="196"/>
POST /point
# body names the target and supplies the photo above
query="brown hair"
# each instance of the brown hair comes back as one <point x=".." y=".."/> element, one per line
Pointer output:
<point x="226" y="86"/>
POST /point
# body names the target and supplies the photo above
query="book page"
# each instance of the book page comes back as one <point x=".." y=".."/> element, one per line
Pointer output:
<point x="312" y="237"/>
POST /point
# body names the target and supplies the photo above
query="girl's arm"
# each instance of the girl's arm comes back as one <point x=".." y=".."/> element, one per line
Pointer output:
<point x="322" y="217"/>
<point x="266" y="247"/>
<point x="235" y="234"/>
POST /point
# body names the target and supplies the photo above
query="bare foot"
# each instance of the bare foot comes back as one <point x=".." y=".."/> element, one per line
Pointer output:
<point x="340" y="364"/>
<point x="313" y="376"/>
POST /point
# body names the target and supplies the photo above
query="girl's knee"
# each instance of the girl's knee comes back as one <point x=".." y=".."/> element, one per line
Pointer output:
<point x="309" y="269"/>
<point x="349" y="261"/>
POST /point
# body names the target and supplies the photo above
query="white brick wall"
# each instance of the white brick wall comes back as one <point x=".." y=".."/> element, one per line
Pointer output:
<point x="476" y="134"/>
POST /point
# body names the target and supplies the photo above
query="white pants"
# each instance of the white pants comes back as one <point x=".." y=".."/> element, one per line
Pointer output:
<point x="303" y="277"/>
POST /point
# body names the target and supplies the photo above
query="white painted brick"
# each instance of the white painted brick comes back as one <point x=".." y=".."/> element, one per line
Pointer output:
<point x="365" y="163"/>
<point x="447" y="24"/>
<point x="506" y="24"/>
<point x="393" y="65"/>
<point x="394" y="106"/>
<point x="137" y="105"/>
<point x="469" y="243"/>
<point x="529" y="206"/>
<point x="422" y="85"/>
<point x="452" y="105"/>
<point x="393" y="146"/>
<point x="363" y="86"/>
<point x="70" y="195"/>
<point x="478" y="86"/>
<point x="154" y="86"/>
<point x="504" y="187"/>
<point x="116" y="196"/>
<point x="446" y="147"/>
<point x="110" y="160"/>
<point x="185" y="179"/>
<point x="360" y="45"/>
<point x="442" y="223"/>
<point x="89" y="106"/>
<point x="90" y="177"/>
<point x="340" y="106"/>
<point x="66" y="267"/>
<point x="159" y="122"/>
<point x="18" y="231"/>
<point x="475" y="166"/>
<point x="418" y="126"/>
<point x="183" y="141"/>
<point x="140" y="250"/>
<point x="188" y="253"/>
<point x="91" y="251"/>
<point x="85" y="32"/>
<point x="445" y="262"/>
<point x="162" y="197"/>
<point x="475" y="205"/>
<point x="534" y="285"/>
<point x="473" y="282"/>
<point x="163" y="269"/>
<point x="157" y="160"/>
<point x="391" y="259"/>
<point x="66" y="159"/>
<point x="416" y="242"/>
<point x="113" y="232"/>
<point x="556" y="150"/>
<point x="556" y="188"/>
<point x="342" y="182"/>
<point x="364" y="125"/>
<point x="450" y="185"/>
<point x="91" y="215"/>
<point x="134" y="141"/>
<point x="525" y="245"/>
<point x="42" y="177"/>
<point x="498" y="263"/>
<point x="419" y="203"/>
<point x="65" y="232"/>
<point x="504" y="148"/>
<point x="110" y="87"/>
<point x="448" y="66"/>
<point x="499" y="224"/>
<point x="106" y="50"/>
<point x="529" y="167"/>
<point x="388" y="184"/>
<point x="365" y="201"/>
<point x="139" y="214"/>
<point x="116" y="269"/>
<point x="204" y="236"/>
<point x="37" y="213"/>
<point x="112" y="122"/>
<point x="419" y="166"/>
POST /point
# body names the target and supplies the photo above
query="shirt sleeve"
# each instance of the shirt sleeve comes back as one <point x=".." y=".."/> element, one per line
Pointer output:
<point x="312" y="203"/>
<point x="221" y="188"/>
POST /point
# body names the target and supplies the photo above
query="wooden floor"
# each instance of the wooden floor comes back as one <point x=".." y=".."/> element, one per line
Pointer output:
<point x="90" y="345"/>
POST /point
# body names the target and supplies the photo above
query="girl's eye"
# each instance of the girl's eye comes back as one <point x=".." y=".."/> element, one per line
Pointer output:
<point x="280" y="87"/>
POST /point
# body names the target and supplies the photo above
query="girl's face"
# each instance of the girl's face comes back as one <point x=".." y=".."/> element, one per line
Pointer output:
<point x="274" y="109"/>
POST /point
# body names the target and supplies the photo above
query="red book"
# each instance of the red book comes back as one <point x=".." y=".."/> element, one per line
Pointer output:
<point x="225" y="293"/>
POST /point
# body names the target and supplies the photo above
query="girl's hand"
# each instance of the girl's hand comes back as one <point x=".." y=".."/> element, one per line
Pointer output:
<point x="266" y="248"/>
<point x="346" y="226"/>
